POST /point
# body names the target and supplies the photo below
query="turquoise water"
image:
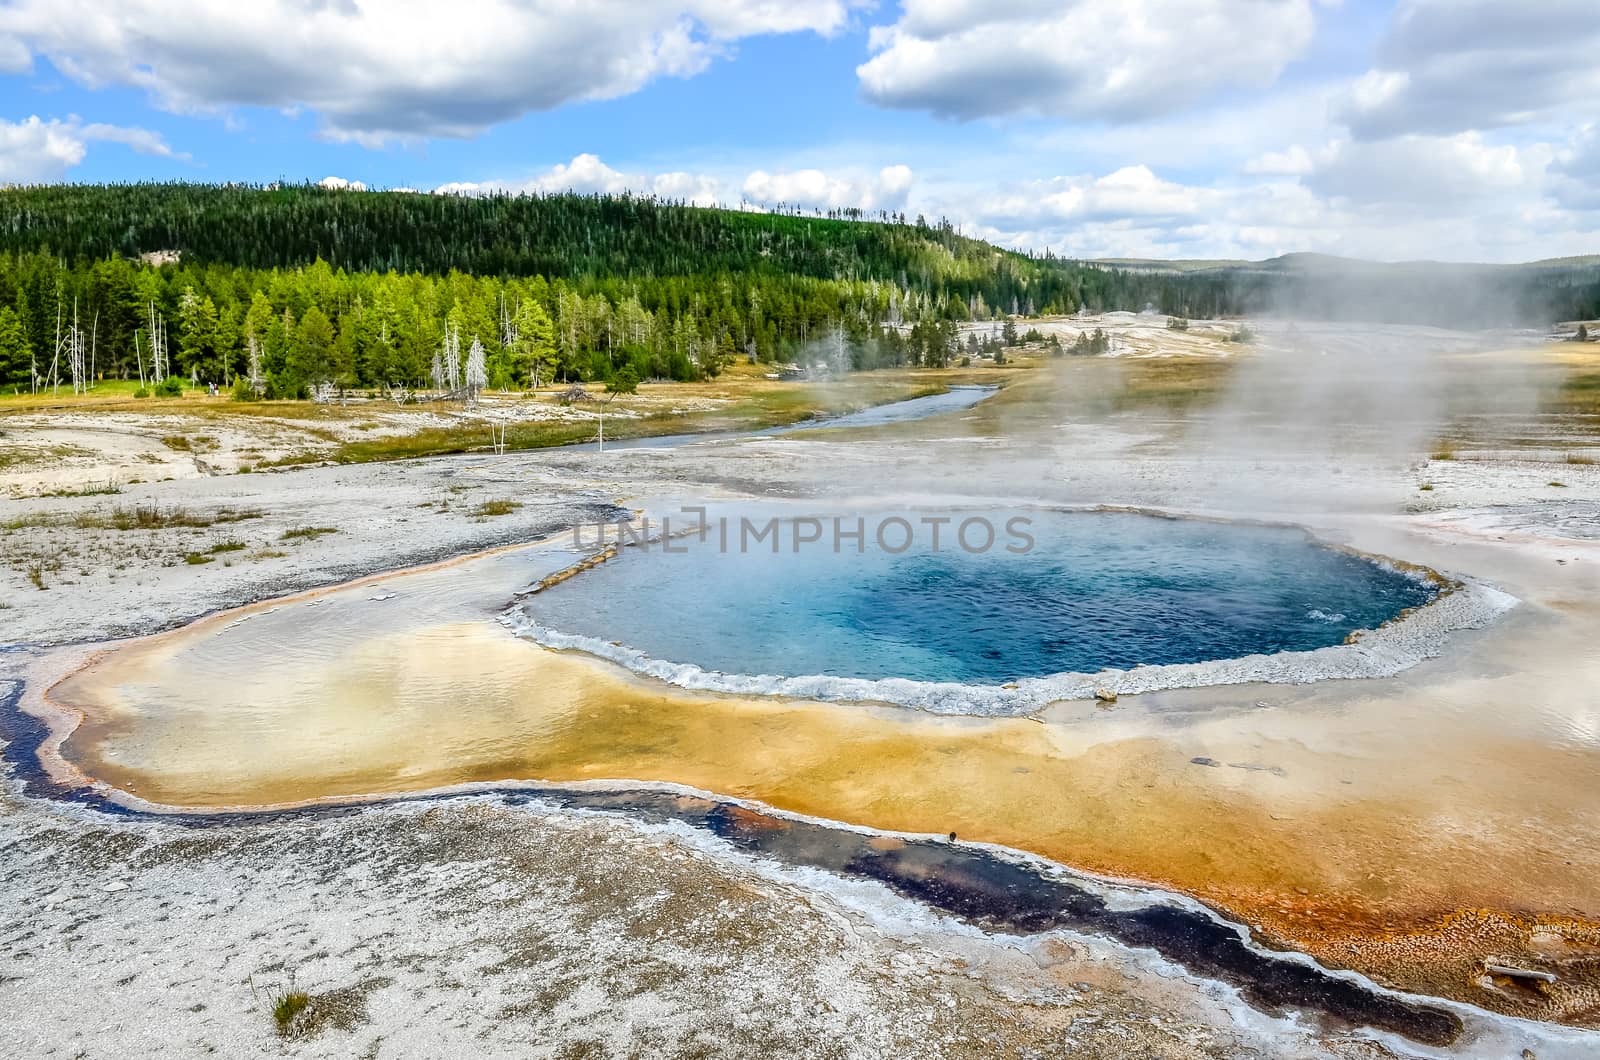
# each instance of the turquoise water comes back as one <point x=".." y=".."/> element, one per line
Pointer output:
<point x="1095" y="591"/>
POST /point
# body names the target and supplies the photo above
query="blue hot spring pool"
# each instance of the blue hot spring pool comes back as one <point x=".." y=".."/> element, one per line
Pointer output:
<point x="1095" y="590"/>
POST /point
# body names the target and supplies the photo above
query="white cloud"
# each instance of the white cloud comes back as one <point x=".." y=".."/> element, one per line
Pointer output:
<point x="1133" y="192"/>
<point x="396" y="69"/>
<point x="14" y="56"/>
<point x="887" y="190"/>
<point x="1453" y="198"/>
<point x="1576" y="171"/>
<point x="1448" y="66"/>
<point x="340" y="184"/>
<point x="1294" y="161"/>
<point x="35" y="151"/>
<point x="1116" y="60"/>
<point x="143" y="141"/>
<point x="586" y="174"/>
<point x="1435" y="172"/>
<point x="1456" y="198"/>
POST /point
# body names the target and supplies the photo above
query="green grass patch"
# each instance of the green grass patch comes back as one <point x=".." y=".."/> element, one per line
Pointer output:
<point x="747" y="404"/>
<point x="1578" y="391"/>
<point x="137" y="517"/>
<point x="305" y="533"/>
<point x="1169" y="383"/>
<point x="194" y="559"/>
<point x="24" y="454"/>
<point x="497" y="507"/>
<point x="226" y="546"/>
<point x="103" y="489"/>
<point x="181" y="443"/>
<point x="287" y="1007"/>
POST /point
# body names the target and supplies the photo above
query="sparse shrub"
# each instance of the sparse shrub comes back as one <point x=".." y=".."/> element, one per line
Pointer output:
<point x="170" y="387"/>
<point x="496" y="507"/>
<point x="194" y="559"/>
<point x="139" y="517"/>
<point x="301" y="533"/>
<point x="287" y="1007"/>
<point x="142" y="392"/>
<point x="102" y="489"/>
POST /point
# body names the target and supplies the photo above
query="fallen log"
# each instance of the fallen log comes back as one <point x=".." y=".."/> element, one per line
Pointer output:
<point x="1519" y="973"/>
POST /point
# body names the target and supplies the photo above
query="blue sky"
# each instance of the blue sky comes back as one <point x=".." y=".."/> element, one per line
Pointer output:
<point x="1457" y="129"/>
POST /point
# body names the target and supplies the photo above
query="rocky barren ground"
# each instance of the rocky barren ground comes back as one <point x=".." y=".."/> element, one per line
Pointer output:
<point x="469" y="928"/>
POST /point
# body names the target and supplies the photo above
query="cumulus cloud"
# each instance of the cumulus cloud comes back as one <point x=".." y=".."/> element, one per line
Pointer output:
<point x="1292" y="161"/>
<point x="340" y="184"/>
<point x="1448" y="66"/>
<point x="1454" y="198"/>
<point x="1116" y="60"/>
<point x="14" y="56"/>
<point x="1133" y="192"/>
<point x="143" y="141"/>
<point x="1441" y="172"/>
<point x="586" y="174"/>
<point x="887" y="190"/>
<point x="1576" y="171"/>
<point x="397" y="69"/>
<point x="35" y="151"/>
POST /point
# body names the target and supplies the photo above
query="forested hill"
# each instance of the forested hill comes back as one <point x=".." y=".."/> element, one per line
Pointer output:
<point x="564" y="235"/>
<point x="361" y="288"/>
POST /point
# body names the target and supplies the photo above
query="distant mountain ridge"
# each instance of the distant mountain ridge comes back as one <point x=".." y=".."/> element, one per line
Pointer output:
<point x="1309" y="261"/>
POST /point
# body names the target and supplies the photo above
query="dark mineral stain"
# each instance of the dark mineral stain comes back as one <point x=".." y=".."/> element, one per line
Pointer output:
<point x="972" y="884"/>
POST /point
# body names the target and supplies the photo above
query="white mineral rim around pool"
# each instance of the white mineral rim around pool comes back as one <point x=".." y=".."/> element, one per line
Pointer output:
<point x="1414" y="635"/>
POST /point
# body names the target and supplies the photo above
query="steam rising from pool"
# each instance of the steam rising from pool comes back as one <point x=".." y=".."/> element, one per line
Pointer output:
<point x="1134" y="600"/>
